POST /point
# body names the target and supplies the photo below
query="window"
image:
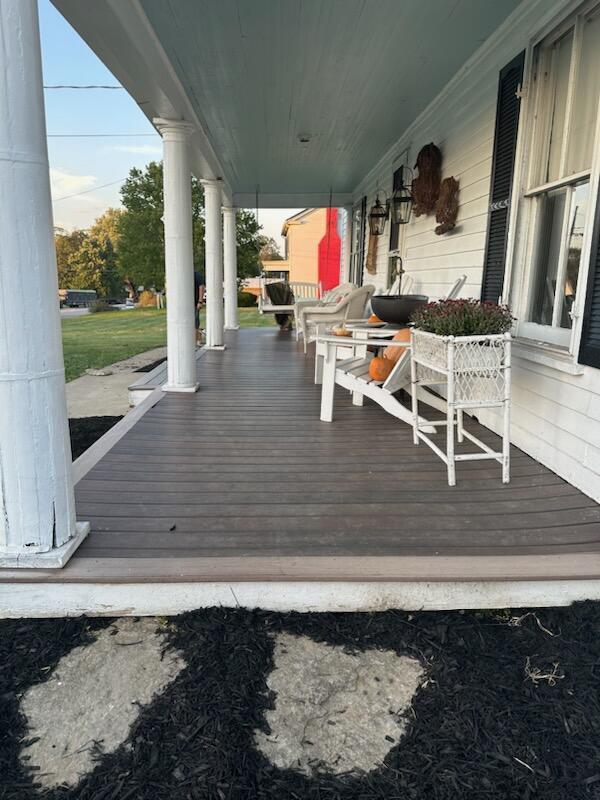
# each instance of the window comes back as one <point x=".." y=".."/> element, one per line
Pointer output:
<point x="566" y="82"/>
<point x="560" y="231"/>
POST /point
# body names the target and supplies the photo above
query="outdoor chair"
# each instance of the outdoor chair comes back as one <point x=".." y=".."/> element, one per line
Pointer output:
<point x="352" y="372"/>
<point x="351" y="306"/>
<point x="329" y="298"/>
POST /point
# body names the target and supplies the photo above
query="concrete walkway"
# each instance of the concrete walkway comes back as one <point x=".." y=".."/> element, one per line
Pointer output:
<point x="104" y="392"/>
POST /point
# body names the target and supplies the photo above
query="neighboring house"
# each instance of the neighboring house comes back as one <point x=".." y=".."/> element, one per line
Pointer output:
<point x="312" y="248"/>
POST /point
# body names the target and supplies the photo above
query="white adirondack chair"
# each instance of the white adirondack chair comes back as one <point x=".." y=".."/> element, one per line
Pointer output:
<point x="353" y="374"/>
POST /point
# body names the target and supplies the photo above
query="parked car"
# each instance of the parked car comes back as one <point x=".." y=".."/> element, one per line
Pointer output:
<point x="77" y="298"/>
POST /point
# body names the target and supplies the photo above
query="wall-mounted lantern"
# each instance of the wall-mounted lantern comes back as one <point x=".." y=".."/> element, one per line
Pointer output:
<point x="378" y="217"/>
<point x="401" y="202"/>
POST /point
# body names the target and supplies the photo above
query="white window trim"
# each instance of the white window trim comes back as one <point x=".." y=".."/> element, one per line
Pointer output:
<point x="539" y="342"/>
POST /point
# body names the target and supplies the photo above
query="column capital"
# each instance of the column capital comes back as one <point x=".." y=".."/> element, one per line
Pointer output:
<point x="212" y="183"/>
<point x="174" y="129"/>
<point x="229" y="209"/>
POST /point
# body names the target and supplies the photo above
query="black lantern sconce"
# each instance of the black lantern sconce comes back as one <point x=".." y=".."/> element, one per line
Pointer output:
<point x="401" y="202"/>
<point x="399" y="207"/>
<point x="378" y="217"/>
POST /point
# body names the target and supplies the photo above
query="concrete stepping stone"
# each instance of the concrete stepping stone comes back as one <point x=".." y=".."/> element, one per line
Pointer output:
<point x="94" y="695"/>
<point x="334" y="711"/>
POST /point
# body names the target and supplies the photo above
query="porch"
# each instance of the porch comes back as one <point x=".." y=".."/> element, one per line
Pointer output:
<point x="239" y="494"/>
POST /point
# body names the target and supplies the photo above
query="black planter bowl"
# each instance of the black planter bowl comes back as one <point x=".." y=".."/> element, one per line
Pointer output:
<point x="397" y="308"/>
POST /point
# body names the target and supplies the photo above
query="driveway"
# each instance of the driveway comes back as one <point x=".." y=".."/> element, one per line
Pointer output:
<point x="74" y="312"/>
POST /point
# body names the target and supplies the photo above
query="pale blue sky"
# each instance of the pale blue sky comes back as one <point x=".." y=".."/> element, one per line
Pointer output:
<point x="79" y="164"/>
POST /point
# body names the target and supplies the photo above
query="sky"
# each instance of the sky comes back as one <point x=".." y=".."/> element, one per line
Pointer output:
<point x="87" y="165"/>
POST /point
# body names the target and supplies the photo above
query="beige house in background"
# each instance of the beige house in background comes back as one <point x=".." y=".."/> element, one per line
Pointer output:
<point x="312" y="248"/>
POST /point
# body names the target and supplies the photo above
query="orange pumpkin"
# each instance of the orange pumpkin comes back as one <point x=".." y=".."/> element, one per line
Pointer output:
<point x="339" y="330"/>
<point x="374" y="318"/>
<point x="393" y="353"/>
<point x="380" y="368"/>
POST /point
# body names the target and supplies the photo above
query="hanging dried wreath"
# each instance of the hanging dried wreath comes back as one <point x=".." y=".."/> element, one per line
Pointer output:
<point x="426" y="186"/>
<point x="446" y="209"/>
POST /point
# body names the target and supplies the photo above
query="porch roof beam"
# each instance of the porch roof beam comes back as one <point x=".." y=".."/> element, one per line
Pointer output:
<point x="292" y="200"/>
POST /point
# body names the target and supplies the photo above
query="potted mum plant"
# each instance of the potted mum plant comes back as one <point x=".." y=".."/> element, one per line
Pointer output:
<point x="468" y="338"/>
<point x="463" y="318"/>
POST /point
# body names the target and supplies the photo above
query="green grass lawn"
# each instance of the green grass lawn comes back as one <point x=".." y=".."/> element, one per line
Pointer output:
<point x="96" y="340"/>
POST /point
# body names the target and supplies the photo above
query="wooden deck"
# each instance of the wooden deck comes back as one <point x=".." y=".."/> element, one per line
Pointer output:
<point x="242" y="482"/>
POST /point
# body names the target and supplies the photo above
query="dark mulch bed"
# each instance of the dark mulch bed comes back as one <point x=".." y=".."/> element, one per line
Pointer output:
<point x="481" y="727"/>
<point x="150" y="367"/>
<point x="85" y="430"/>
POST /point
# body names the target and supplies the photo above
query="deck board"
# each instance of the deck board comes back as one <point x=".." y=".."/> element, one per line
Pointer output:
<point x="243" y="474"/>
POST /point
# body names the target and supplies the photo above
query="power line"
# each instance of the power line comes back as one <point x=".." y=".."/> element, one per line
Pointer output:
<point x="73" y="86"/>
<point x="94" y="135"/>
<point x="86" y="191"/>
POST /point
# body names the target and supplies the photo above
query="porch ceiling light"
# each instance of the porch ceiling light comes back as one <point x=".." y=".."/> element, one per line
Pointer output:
<point x="401" y="203"/>
<point x="377" y="218"/>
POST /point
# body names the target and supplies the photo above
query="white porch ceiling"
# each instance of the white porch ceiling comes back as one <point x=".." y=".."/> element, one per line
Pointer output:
<point x="258" y="74"/>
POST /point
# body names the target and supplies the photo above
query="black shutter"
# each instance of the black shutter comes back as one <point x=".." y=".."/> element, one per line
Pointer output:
<point x="589" y="350"/>
<point x="394" y="227"/>
<point x="503" y="166"/>
<point x="358" y="257"/>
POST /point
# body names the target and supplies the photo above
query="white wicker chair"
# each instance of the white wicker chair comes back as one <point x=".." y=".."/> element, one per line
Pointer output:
<point x="329" y="298"/>
<point x="351" y="306"/>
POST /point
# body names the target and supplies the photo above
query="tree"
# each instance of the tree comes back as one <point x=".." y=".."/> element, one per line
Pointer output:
<point x="140" y="227"/>
<point x="94" y="266"/>
<point x="248" y="245"/>
<point x="67" y="244"/>
<point x="269" y="251"/>
<point x="107" y="227"/>
<point x="141" y="232"/>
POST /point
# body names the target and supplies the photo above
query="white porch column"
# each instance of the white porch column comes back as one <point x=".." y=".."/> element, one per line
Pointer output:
<point x="37" y="507"/>
<point x="346" y="244"/>
<point x="179" y="256"/>
<point x="213" y="251"/>
<point x="230" y="268"/>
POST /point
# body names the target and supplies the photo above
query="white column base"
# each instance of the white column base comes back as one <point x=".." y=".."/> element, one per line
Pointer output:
<point x="190" y="389"/>
<point x="215" y="347"/>
<point x="53" y="559"/>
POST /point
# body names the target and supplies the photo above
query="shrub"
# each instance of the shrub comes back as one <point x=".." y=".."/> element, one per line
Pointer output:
<point x="246" y="300"/>
<point x="463" y="318"/>
<point x="100" y="306"/>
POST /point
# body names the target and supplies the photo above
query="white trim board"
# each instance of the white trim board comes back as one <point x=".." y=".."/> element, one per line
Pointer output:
<point x="150" y="599"/>
<point x="89" y="459"/>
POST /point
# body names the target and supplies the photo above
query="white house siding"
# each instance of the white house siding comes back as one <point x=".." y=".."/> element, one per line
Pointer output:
<point x="555" y="415"/>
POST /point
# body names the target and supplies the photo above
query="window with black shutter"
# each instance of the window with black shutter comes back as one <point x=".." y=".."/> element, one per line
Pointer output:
<point x="505" y="142"/>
